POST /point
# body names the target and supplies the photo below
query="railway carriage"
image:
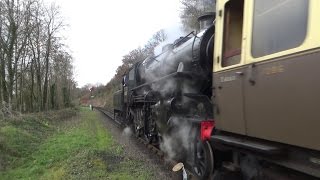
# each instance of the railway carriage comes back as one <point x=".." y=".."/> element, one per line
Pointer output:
<point x="265" y="83"/>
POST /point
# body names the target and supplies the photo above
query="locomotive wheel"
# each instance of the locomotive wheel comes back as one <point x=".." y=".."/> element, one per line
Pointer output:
<point x="204" y="159"/>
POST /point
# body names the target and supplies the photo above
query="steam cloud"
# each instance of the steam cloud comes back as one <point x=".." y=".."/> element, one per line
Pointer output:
<point x="127" y="132"/>
<point x="179" y="142"/>
<point x="173" y="32"/>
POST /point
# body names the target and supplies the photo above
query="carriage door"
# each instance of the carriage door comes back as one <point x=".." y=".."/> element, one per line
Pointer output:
<point x="228" y="70"/>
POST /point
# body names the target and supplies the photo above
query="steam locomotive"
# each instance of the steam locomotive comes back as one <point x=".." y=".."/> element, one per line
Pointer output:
<point x="239" y="98"/>
<point x="164" y="98"/>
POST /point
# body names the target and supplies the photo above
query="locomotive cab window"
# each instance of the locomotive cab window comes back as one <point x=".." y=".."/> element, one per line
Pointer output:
<point x="233" y="22"/>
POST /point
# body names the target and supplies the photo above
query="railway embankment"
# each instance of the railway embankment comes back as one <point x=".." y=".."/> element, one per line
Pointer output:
<point x="71" y="144"/>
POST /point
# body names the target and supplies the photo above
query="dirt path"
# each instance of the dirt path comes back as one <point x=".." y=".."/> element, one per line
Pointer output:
<point x="137" y="151"/>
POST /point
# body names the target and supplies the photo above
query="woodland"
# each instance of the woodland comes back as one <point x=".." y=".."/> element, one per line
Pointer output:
<point x="36" y="71"/>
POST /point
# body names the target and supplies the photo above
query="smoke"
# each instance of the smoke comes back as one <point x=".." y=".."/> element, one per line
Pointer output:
<point x="177" y="145"/>
<point x="167" y="146"/>
<point x="127" y="132"/>
<point x="172" y="85"/>
<point x="188" y="87"/>
<point x="173" y="32"/>
<point x="166" y="87"/>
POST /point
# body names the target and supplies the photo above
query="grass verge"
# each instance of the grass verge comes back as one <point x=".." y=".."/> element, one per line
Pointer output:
<point x="79" y="148"/>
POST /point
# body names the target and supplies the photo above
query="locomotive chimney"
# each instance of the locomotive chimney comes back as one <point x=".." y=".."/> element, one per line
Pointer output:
<point x="206" y="20"/>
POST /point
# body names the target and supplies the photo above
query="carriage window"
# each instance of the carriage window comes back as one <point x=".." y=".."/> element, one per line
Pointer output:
<point x="278" y="25"/>
<point x="233" y="21"/>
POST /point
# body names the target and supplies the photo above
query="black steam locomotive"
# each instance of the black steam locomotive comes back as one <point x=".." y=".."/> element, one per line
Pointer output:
<point x="166" y="98"/>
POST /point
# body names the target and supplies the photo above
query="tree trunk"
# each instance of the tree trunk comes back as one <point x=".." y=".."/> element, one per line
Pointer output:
<point x="32" y="86"/>
<point x="38" y="75"/>
<point x="45" y="86"/>
<point x="5" y="97"/>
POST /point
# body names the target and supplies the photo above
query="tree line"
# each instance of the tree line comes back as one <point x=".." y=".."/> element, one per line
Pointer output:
<point x="36" y="71"/>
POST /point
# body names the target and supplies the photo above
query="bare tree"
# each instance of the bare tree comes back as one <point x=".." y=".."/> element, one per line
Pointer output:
<point x="34" y="64"/>
<point x="192" y="9"/>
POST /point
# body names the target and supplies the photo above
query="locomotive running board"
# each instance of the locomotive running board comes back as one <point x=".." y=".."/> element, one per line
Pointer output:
<point x="261" y="147"/>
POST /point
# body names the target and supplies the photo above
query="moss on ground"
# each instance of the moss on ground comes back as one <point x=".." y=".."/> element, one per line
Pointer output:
<point x="78" y="148"/>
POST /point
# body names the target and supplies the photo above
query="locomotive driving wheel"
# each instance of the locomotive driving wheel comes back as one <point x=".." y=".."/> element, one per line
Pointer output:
<point x="204" y="159"/>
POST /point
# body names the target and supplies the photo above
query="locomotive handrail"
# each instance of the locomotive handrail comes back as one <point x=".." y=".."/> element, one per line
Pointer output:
<point x="185" y="37"/>
<point x="194" y="40"/>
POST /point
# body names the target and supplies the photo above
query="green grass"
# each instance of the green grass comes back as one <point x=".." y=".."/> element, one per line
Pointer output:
<point x="77" y="149"/>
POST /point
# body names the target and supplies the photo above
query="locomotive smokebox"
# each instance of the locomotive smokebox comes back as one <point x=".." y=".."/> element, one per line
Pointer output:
<point x="206" y="20"/>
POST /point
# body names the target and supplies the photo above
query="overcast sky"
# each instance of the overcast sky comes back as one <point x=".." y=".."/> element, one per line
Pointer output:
<point x="100" y="32"/>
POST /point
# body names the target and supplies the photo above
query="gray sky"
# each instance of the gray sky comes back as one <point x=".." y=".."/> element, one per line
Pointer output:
<point x="100" y="32"/>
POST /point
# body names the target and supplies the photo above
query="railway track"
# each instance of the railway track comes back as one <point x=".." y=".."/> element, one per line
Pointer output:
<point x="151" y="147"/>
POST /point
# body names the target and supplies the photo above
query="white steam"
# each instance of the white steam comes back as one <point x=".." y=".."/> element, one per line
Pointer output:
<point x="127" y="132"/>
<point x="173" y="32"/>
<point x="167" y="146"/>
<point x="178" y="144"/>
<point x="168" y="86"/>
